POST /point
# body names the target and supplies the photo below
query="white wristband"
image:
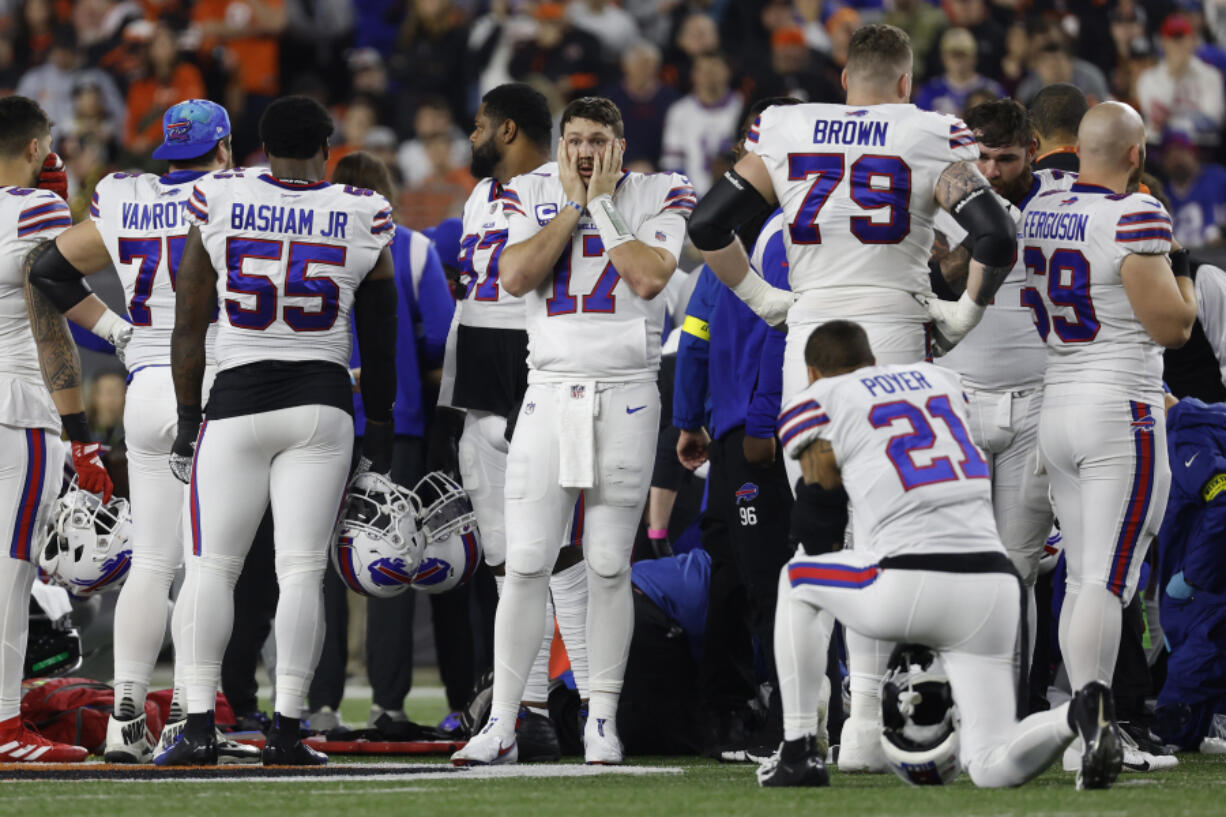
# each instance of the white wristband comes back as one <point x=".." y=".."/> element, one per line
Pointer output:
<point x="612" y="227"/>
<point x="110" y="326"/>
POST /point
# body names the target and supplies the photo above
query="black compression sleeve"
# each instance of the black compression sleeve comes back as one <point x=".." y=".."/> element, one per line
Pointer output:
<point x="729" y="203"/>
<point x="62" y="283"/>
<point x="375" y="319"/>
<point x="940" y="287"/>
<point x="991" y="231"/>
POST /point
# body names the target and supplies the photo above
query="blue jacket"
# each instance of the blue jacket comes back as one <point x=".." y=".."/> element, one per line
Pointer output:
<point x="679" y="586"/>
<point x="729" y="362"/>
<point x="423" y="316"/>
<point x="1193" y="534"/>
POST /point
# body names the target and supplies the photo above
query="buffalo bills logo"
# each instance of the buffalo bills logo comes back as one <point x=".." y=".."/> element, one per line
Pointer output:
<point x="389" y="572"/>
<point x="180" y="131"/>
<point x="746" y="494"/>
<point x="432" y="571"/>
<point x="860" y="112"/>
<point x="1146" y="423"/>
<point x="113" y="570"/>
<point x="1069" y="200"/>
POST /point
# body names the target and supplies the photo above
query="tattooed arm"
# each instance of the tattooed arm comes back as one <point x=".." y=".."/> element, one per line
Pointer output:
<point x="953" y="263"/>
<point x="195" y="296"/>
<point x="818" y="465"/>
<point x="57" y="353"/>
<point x="966" y="194"/>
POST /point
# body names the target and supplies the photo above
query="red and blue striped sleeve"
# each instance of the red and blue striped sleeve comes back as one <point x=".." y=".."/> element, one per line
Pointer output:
<point x="1145" y="229"/>
<point x="800" y="424"/>
<point x="511" y="203"/>
<point x="43" y="214"/>
<point x="382" y="225"/>
<point x="197" y="207"/>
<point x="681" y="197"/>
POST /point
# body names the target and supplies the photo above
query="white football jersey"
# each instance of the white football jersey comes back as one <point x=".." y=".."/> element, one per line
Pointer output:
<point x="916" y="481"/>
<point x="27" y="218"/>
<point x="583" y="321"/>
<point x="1073" y="246"/>
<point x="857" y="188"/>
<point x="1004" y="352"/>
<point x="486" y="304"/>
<point x="289" y="257"/>
<point x="142" y="220"/>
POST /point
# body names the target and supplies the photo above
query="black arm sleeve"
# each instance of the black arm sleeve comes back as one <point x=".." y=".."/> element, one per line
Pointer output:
<point x="729" y="203"/>
<point x="375" y="319"/>
<point x="991" y="233"/>
<point x="59" y="281"/>
<point x="940" y="287"/>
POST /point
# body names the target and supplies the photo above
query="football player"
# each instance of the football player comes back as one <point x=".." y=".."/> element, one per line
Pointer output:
<point x="589" y="247"/>
<point x="930" y="568"/>
<point x="1001" y="361"/>
<point x="31" y="454"/>
<point x="511" y="137"/>
<point x="137" y="224"/>
<point x="859" y="185"/>
<point x="289" y="257"/>
<point x="1106" y="299"/>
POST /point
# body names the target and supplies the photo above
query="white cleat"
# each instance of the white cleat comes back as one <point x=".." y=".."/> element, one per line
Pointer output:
<point x="128" y="741"/>
<point x="170" y="732"/>
<point x="489" y="747"/>
<point x="601" y="745"/>
<point x="1135" y="759"/>
<point x="860" y="749"/>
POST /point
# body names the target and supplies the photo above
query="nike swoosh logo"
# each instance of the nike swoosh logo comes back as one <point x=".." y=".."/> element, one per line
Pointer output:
<point x="1188" y="462"/>
<point x="504" y="751"/>
<point x="633" y="410"/>
<point x="1143" y="766"/>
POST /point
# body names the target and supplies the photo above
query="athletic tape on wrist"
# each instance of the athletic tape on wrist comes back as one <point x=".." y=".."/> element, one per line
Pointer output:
<point x="609" y="223"/>
<point x="109" y="326"/>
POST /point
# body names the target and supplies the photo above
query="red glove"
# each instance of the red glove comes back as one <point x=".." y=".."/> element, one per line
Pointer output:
<point x="54" y="176"/>
<point x="91" y="474"/>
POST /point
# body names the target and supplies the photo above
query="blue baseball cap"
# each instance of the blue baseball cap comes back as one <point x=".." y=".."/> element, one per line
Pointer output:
<point x="191" y="128"/>
<point x="446" y="237"/>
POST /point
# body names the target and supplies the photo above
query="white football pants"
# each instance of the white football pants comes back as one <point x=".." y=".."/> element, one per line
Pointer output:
<point x="1107" y="462"/>
<point x="970" y="619"/>
<point x="298" y="459"/>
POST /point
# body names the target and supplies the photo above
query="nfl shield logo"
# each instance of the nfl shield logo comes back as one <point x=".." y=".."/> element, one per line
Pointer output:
<point x="576" y="392"/>
<point x="660" y="236"/>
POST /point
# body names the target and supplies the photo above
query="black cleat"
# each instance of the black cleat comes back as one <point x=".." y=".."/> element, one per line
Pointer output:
<point x="795" y="763"/>
<point x="538" y="740"/>
<point x="297" y="753"/>
<point x="189" y="751"/>
<point x="1091" y="714"/>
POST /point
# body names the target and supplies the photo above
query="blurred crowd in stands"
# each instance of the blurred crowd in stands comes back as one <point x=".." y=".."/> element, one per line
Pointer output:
<point x="404" y="76"/>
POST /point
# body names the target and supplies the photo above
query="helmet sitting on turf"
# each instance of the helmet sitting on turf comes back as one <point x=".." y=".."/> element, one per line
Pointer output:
<point x="919" y="721"/>
<point x="453" y="544"/>
<point x="378" y="543"/>
<point x="90" y="547"/>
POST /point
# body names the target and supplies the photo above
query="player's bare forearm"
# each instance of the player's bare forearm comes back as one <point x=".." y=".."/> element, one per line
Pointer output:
<point x="957" y="181"/>
<point x="818" y="465"/>
<point x="195" y="296"/>
<point x="955" y="268"/>
<point x="58" y="357"/>
<point x="525" y="266"/>
<point x="730" y="264"/>
<point x="645" y="269"/>
<point x="982" y="281"/>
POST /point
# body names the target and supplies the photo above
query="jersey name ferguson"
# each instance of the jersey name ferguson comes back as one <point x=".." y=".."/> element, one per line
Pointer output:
<point x="583" y="320"/>
<point x="289" y="257"/>
<point x="857" y="189"/>
<point x="143" y="222"/>
<point x="1003" y="352"/>
<point x="27" y="218"/>
<point x="1073" y="246"/>
<point x="916" y="481"/>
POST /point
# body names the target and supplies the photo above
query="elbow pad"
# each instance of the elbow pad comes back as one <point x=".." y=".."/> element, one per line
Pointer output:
<point x="729" y="203"/>
<point x="991" y="233"/>
<point x="375" y="321"/>
<point x="59" y="281"/>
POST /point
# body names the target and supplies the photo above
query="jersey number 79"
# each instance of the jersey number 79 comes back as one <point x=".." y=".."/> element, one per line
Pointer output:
<point x="877" y="183"/>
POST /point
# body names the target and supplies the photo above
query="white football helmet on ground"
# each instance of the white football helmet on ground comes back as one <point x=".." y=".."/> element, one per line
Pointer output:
<point x="453" y="543"/>
<point x="378" y="542"/>
<point x="919" y="720"/>
<point x="90" y="547"/>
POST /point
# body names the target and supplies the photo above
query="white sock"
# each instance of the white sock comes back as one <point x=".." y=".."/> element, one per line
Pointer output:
<point x="802" y="637"/>
<point x="202" y="622"/>
<point x="536" y="689"/>
<point x="517" y="640"/>
<point x="140" y="627"/>
<point x="610" y="625"/>
<point x="1093" y="635"/>
<point x="16" y="576"/>
<point x="867" y="659"/>
<point x="299" y="628"/>
<point x="569" y="590"/>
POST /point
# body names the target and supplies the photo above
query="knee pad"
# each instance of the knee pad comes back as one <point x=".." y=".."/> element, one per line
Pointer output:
<point x="528" y="561"/>
<point x="217" y="565"/>
<point x="300" y="568"/>
<point x="605" y="564"/>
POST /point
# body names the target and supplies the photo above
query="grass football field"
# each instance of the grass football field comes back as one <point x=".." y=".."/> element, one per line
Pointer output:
<point x="664" y="786"/>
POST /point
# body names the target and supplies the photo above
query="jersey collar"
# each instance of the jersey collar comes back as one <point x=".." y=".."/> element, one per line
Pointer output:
<point x="1030" y="194"/>
<point x="1081" y="187"/>
<point x="275" y="182"/>
<point x="181" y="176"/>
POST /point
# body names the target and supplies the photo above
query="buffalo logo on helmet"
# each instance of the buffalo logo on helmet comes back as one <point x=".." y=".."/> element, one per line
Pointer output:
<point x="113" y="570"/>
<point x="390" y="572"/>
<point x="746" y="494"/>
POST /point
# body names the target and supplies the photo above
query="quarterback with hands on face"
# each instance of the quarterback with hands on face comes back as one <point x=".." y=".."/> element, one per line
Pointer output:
<point x="588" y="247"/>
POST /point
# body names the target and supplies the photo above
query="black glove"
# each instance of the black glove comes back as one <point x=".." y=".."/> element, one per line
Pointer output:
<point x="443" y="445"/>
<point x="377" y="444"/>
<point x="184" y="448"/>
